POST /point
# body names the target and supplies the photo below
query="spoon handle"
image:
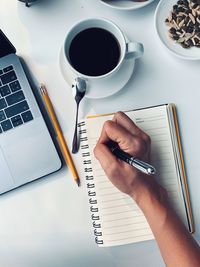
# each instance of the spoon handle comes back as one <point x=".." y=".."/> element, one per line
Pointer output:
<point x="75" y="144"/>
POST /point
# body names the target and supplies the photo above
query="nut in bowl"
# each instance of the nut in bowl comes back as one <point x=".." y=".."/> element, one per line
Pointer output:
<point x="126" y="4"/>
<point x="177" y="24"/>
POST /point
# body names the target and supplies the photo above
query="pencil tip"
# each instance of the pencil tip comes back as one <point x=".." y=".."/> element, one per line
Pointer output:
<point x="78" y="182"/>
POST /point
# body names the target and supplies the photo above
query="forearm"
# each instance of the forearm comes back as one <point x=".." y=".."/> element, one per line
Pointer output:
<point x="177" y="246"/>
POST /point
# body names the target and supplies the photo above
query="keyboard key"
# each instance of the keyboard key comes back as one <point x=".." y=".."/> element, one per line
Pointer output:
<point x="5" y="90"/>
<point x="16" y="121"/>
<point x="6" y="125"/>
<point x="27" y="116"/>
<point x="2" y="115"/>
<point x="0" y="130"/>
<point x="8" y="77"/>
<point x="16" y="109"/>
<point x="0" y="83"/>
<point x="8" y="68"/>
<point x="15" y="86"/>
<point x="1" y="72"/>
<point x="2" y="103"/>
<point x="14" y="98"/>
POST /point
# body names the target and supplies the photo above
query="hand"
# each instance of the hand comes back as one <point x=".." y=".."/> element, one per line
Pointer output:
<point x="130" y="139"/>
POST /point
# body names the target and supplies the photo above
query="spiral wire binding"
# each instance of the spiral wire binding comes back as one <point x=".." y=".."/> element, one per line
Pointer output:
<point x="90" y="182"/>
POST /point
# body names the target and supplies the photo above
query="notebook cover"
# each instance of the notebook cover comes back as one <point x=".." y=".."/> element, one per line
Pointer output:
<point x="183" y="168"/>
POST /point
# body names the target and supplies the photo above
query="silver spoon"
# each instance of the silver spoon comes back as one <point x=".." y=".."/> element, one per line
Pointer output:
<point x="80" y="88"/>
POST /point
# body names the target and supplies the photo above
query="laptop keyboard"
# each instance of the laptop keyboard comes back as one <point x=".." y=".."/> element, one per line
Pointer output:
<point x="14" y="109"/>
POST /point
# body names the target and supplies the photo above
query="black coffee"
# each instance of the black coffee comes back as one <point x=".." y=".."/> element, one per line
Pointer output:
<point x="94" y="52"/>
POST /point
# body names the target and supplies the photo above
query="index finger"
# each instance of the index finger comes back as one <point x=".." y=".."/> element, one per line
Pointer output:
<point x="105" y="156"/>
<point x="114" y="132"/>
<point x="123" y="120"/>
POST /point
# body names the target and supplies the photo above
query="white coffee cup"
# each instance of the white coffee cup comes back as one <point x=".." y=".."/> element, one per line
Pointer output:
<point x="129" y="51"/>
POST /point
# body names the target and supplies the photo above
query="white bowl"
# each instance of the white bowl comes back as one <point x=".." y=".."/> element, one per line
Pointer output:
<point x="126" y="4"/>
<point x="162" y="11"/>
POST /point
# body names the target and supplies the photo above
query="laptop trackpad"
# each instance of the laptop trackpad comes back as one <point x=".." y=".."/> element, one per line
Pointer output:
<point x="31" y="154"/>
<point x="6" y="180"/>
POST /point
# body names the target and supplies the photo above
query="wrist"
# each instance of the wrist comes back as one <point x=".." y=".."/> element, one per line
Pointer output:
<point x="147" y="192"/>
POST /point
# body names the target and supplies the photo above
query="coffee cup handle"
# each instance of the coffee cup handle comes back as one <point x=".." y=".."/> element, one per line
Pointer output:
<point x="134" y="50"/>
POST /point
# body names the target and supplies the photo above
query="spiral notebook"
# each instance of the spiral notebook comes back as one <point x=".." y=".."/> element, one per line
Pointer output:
<point x="116" y="219"/>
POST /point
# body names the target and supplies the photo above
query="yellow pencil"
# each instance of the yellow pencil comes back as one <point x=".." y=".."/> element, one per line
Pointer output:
<point x="61" y="139"/>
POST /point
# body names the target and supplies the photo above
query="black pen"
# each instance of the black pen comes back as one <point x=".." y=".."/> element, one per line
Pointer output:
<point x="137" y="163"/>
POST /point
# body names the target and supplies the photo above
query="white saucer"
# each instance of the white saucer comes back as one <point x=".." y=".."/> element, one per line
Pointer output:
<point x="163" y="9"/>
<point x="126" y="4"/>
<point x="104" y="88"/>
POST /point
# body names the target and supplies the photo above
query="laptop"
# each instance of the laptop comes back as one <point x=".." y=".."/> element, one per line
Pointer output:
<point x="27" y="151"/>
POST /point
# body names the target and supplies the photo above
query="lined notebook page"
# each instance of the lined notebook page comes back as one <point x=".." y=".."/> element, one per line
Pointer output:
<point x="121" y="220"/>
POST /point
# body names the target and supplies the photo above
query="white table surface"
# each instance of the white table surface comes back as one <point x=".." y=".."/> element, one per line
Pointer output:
<point x="47" y="223"/>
